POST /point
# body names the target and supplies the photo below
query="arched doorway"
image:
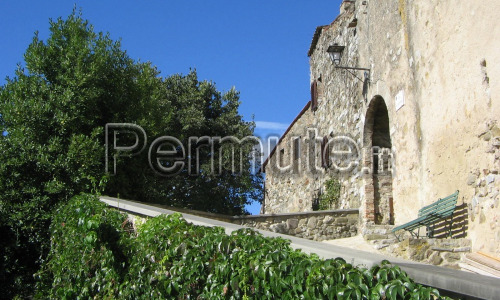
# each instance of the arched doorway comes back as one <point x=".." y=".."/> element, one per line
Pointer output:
<point x="377" y="163"/>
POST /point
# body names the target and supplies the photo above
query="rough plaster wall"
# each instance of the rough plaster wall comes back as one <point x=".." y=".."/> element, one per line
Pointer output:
<point x="382" y="48"/>
<point x="442" y="55"/>
<point x="454" y="41"/>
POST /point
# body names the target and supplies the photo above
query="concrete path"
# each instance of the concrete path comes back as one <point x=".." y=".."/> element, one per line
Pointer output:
<point x="355" y="242"/>
<point x="461" y="282"/>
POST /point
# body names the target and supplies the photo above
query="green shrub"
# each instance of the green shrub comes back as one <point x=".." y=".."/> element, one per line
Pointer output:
<point x="331" y="196"/>
<point x="92" y="256"/>
<point x="89" y="251"/>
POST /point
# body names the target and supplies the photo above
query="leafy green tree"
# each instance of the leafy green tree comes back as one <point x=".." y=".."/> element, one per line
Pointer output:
<point x="54" y="112"/>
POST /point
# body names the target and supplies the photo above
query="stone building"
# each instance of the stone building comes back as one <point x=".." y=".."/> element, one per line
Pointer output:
<point x="418" y="124"/>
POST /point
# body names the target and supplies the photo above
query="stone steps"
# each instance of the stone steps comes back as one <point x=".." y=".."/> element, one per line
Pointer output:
<point x="378" y="230"/>
<point x="372" y="237"/>
<point x="380" y="236"/>
<point x="380" y="244"/>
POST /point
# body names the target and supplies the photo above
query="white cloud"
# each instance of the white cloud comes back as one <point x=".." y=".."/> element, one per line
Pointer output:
<point x="271" y="125"/>
<point x="268" y="145"/>
<point x="269" y="134"/>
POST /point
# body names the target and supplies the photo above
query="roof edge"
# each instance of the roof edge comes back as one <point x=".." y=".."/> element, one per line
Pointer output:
<point x="319" y="30"/>
<point x="306" y="107"/>
<point x="315" y="39"/>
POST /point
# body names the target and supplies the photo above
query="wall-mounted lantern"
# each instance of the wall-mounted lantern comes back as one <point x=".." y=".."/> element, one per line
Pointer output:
<point x="335" y="52"/>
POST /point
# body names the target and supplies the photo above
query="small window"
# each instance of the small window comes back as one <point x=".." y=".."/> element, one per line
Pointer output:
<point x="282" y="157"/>
<point x="325" y="153"/>
<point x="296" y="148"/>
<point x="314" y="95"/>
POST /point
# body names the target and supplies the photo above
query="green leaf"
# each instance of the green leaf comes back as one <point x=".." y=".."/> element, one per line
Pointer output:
<point x="364" y="288"/>
<point x="382" y="275"/>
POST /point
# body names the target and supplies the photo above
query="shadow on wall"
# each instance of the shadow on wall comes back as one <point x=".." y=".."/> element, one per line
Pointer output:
<point x="459" y="226"/>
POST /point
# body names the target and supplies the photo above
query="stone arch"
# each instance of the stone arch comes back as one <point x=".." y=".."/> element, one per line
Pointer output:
<point x="377" y="163"/>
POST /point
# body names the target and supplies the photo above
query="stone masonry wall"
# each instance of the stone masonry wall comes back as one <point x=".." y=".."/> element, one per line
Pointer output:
<point x="440" y="252"/>
<point x="290" y="187"/>
<point x="337" y="116"/>
<point x="318" y="226"/>
<point x="340" y="105"/>
<point x="433" y="66"/>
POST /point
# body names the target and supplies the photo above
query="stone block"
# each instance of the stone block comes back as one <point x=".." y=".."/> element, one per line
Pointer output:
<point x="428" y="253"/>
<point x="442" y="249"/>
<point x="311" y="223"/>
<point x="341" y="220"/>
<point x="417" y="249"/>
<point x="278" y="228"/>
<point x="353" y="221"/>
<point x="452" y="257"/>
<point x="482" y="218"/>
<point x="435" y="259"/>
<point x="328" y="220"/>
<point x="471" y="179"/>
<point x="462" y="249"/>
<point x="495" y="130"/>
<point x="371" y="237"/>
<point x="292" y="223"/>
<point x="380" y="246"/>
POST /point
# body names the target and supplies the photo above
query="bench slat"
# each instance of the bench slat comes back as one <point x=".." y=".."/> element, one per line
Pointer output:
<point x="432" y="213"/>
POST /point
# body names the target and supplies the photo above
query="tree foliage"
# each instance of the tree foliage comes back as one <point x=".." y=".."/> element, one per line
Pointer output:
<point x="54" y="112"/>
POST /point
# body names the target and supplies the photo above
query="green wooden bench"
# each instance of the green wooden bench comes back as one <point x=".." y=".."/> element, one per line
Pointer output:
<point x="430" y="215"/>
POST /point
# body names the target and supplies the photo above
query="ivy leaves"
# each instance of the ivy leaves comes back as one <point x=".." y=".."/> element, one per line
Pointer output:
<point x="330" y="198"/>
<point x="93" y="255"/>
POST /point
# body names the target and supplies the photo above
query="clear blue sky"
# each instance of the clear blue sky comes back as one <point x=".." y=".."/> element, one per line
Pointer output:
<point x="260" y="47"/>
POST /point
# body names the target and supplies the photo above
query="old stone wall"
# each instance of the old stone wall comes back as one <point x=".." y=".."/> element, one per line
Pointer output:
<point x="337" y="117"/>
<point x="318" y="226"/>
<point x="290" y="187"/>
<point x="340" y="102"/>
<point x="433" y="75"/>
<point x="440" y="252"/>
